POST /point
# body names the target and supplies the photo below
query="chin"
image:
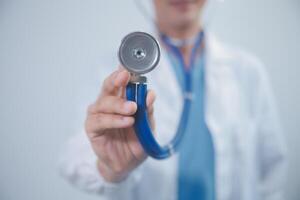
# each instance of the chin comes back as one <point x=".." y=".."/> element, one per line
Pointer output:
<point x="185" y="20"/>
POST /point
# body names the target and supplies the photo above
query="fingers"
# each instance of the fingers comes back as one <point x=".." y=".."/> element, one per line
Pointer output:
<point x="115" y="81"/>
<point x="116" y="105"/>
<point x="113" y="105"/>
<point x="100" y="122"/>
<point x="113" y="112"/>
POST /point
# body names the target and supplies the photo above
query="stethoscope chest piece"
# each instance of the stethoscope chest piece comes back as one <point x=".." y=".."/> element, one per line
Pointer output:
<point x="139" y="53"/>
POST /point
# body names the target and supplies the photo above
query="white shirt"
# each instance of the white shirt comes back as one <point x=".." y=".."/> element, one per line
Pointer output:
<point x="241" y="116"/>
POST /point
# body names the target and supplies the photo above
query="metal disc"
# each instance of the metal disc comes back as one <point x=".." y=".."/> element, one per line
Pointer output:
<point x="139" y="52"/>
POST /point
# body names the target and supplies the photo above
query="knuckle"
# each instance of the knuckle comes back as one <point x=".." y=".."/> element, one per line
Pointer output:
<point x="89" y="129"/>
<point x="88" y="132"/>
<point x="105" y="86"/>
<point x="87" y="123"/>
<point x="118" y="168"/>
<point x="94" y="125"/>
<point x="91" y="108"/>
<point x="107" y="80"/>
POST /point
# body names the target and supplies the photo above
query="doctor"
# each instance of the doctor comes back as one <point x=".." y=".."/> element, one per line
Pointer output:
<point x="232" y="148"/>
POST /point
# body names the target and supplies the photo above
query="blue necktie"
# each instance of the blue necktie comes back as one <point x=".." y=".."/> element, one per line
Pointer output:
<point x="196" y="178"/>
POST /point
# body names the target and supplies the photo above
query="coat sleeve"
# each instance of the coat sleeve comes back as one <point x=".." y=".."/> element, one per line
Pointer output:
<point x="78" y="166"/>
<point x="271" y="143"/>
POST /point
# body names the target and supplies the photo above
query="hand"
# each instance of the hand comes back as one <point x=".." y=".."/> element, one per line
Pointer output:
<point x="109" y="126"/>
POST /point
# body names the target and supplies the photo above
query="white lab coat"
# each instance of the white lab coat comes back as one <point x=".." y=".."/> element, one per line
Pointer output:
<point x="241" y="116"/>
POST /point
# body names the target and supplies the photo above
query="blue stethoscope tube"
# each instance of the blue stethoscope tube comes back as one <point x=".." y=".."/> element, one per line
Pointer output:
<point x="137" y="92"/>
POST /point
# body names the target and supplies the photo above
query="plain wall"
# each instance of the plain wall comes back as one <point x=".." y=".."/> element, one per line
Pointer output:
<point x="50" y="51"/>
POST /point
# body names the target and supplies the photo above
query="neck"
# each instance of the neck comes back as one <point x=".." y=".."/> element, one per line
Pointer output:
<point x="182" y="33"/>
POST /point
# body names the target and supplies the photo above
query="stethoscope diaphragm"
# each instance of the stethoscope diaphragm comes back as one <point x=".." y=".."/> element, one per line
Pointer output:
<point x="139" y="52"/>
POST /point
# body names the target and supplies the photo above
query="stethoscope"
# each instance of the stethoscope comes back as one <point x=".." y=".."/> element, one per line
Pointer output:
<point x="139" y="53"/>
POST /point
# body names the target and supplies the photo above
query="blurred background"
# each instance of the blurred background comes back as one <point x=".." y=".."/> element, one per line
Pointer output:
<point x="51" y="50"/>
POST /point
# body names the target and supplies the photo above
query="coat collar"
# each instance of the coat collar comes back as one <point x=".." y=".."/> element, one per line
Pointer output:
<point x="218" y="80"/>
<point x="217" y="58"/>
